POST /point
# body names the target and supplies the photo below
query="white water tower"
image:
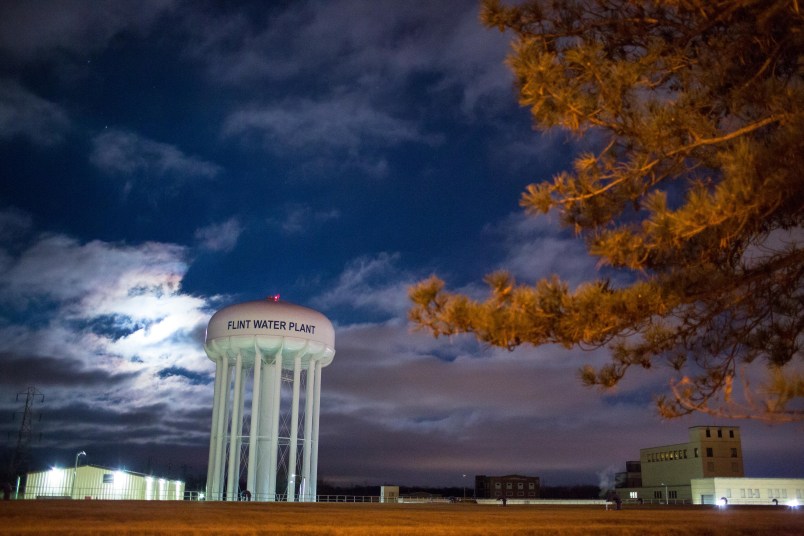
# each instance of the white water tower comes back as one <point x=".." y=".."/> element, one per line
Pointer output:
<point x="268" y="355"/>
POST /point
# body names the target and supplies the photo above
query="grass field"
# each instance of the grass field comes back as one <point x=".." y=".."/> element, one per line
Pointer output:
<point x="62" y="517"/>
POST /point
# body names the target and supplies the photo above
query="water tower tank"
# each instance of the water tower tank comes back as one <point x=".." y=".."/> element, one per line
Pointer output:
<point x="270" y="324"/>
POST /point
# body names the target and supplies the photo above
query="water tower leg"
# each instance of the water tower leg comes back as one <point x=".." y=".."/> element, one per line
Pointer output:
<point x="261" y="485"/>
<point x="213" y="438"/>
<point x="314" y="444"/>
<point x="239" y="447"/>
<point x="220" y="429"/>
<point x="276" y="394"/>
<point x="308" y="428"/>
<point x="294" y="430"/>
<point x="254" y="429"/>
<point x="235" y="430"/>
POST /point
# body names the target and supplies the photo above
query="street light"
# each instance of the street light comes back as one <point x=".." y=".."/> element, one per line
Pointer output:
<point x="75" y="472"/>
<point x="464" y="488"/>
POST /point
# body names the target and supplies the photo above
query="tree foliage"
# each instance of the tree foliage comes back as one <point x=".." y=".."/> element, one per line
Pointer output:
<point x="696" y="192"/>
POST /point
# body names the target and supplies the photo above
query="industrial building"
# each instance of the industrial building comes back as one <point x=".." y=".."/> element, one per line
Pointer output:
<point x="509" y="487"/>
<point x="95" y="482"/>
<point x="704" y="470"/>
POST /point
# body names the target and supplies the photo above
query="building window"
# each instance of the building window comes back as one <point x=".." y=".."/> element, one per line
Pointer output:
<point x="632" y="495"/>
<point x="733" y="452"/>
<point x="709" y="453"/>
<point x="520" y="485"/>
<point x="708" y="433"/>
<point x="742" y="493"/>
<point x="696" y="452"/>
<point x="497" y="485"/>
<point x="509" y="485"/>
<point x="685" y="454"/>
<point x="531" y="485"/>
<point x="719" y="432"/>
<point x="672" y="494"/>
<point x="731" y="434"/>
<point x="728" y="493"/>
<point x="657" y="494"/>
<point x="108" y="478"/>
<point x="520" y="493"/>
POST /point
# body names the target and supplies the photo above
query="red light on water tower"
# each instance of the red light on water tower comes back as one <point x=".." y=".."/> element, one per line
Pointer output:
<point x="274" y="298"/>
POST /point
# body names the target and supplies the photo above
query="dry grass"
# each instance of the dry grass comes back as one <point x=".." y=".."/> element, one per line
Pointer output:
<point x="63" y="517"/>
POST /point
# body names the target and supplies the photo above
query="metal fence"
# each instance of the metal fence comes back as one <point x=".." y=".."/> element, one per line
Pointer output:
<point x="99" y="493"/>
<point x="281" y="497"/>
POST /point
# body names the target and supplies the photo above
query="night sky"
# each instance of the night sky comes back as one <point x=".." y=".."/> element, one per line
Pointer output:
<point x="161" y="160"/>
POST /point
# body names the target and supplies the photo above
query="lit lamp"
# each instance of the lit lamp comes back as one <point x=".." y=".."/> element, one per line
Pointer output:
<point x="75" y="472"/>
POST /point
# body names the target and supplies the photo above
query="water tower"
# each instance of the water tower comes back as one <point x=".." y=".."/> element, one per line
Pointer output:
<point x="268" y="356"/>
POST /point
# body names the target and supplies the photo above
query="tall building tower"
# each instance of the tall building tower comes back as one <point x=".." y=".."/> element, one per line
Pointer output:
<point x="711" y="451"/>
<point x="268" y="354"/>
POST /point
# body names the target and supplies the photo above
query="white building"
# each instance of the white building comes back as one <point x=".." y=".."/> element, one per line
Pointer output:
<point x="94" y="482"/>
<point x="752" y="491"/>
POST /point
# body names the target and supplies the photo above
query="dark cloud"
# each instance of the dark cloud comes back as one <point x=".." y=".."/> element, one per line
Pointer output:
<point x="24" y="114"/>
<point x="51" y="27"/>
<point x="146" y="165"/>
<point x="24" y="369"/>
<point x="193" y="377"/>
<point x="220" y="237"/>
<point x="111" y="326"/>
<point x="14" y="224"/>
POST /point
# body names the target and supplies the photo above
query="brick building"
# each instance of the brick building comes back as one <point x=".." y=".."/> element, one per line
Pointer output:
<point x="509" y="486"/>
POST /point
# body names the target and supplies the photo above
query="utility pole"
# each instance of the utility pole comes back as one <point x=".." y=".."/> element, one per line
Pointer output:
<point x="22" y="453"/>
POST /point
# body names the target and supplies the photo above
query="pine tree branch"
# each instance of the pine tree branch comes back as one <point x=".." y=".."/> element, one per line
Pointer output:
<point x="730" y="136"/>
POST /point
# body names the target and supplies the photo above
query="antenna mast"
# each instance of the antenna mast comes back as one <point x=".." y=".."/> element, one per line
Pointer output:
<point x="22" y="453"/>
